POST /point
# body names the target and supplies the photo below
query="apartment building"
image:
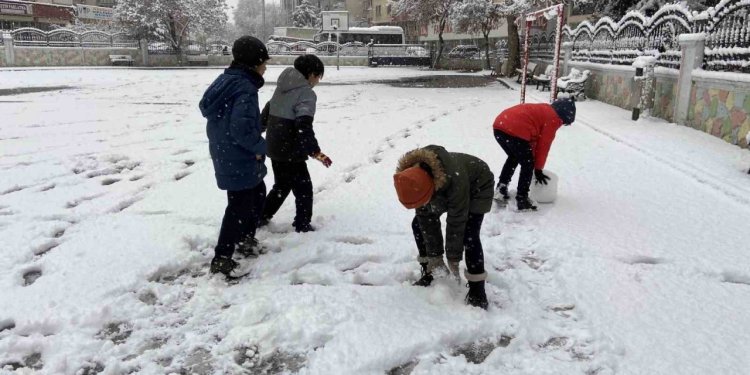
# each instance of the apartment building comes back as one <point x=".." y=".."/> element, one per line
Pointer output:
<point x="48" y="14"/>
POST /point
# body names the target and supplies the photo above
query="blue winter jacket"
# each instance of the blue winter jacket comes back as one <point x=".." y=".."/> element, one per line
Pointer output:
<point x="230" y="105"/>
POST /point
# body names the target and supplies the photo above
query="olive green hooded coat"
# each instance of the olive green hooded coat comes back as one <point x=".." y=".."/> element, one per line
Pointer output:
<point x="463" y="184"/>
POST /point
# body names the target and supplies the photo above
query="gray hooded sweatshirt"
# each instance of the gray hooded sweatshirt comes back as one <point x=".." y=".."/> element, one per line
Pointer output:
<point x="290" y="136"/>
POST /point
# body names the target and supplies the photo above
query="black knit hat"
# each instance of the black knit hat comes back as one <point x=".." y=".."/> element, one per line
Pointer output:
<point x="249" y="51"/>
<point x="566" y="110"/>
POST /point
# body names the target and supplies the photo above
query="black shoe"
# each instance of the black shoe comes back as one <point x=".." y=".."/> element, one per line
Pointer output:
<point x="304" y="228"/>
<point x="501" y="193"/>
<point x="223" y="265"/>
<point x="426" y="278"/>
<point x="476" y="296"/>
<point x="250" y="248"/>
<point x="525" y="204"/>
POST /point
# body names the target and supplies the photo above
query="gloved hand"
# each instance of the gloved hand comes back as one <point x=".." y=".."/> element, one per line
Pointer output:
<point x="453" y="267"/>
<point x="321" y="157"/>
<point x="541" y="178"/>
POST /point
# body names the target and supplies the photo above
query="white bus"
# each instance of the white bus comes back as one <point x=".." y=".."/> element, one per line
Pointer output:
<point x="375" y="34"/>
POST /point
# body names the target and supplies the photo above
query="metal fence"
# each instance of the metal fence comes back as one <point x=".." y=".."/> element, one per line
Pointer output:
<point x="30" y="37"/>
<point x="189" y="47"/>
<point x="726" y="26"/>
<point x="324" y="48"/>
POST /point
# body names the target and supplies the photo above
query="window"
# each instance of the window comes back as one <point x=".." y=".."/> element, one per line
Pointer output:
<point x="388" y="9"/>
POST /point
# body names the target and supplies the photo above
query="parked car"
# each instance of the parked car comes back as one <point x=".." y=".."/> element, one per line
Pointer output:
<point x="464" y="52"/>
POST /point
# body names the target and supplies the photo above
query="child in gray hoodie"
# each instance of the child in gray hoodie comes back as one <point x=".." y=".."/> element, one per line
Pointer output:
<point x="291" y="139"/>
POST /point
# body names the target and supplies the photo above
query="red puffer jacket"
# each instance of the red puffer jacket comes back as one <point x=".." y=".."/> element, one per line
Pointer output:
<point x="536" y="123"/>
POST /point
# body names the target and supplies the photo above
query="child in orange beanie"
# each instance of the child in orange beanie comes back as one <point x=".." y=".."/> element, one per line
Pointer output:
<point x="434" y="181"/>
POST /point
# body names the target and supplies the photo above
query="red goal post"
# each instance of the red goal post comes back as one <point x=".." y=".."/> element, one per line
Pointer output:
<point x="555" y="10"/>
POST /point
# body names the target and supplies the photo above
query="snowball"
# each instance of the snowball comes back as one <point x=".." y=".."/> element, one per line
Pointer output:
<point x="545" y="193"/>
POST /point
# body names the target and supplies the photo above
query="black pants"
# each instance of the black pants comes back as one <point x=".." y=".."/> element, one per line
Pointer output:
<point x="240" y="218"/>
<point x="294" y="177"/>
<point x="473" y="252"/>
<point x="519" y="152"/>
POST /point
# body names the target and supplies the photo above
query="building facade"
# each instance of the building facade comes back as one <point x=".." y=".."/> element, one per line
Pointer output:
<point x="50" y="14"/>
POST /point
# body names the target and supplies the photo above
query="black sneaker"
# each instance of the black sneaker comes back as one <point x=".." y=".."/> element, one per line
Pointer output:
<point x="304" y="228"/>
<point x="476" y="296"/>
<point x="525" y="204"/>
<point x="426" y="278"/>
<point x="223" y="265"/>
<point x="501" y="193"/>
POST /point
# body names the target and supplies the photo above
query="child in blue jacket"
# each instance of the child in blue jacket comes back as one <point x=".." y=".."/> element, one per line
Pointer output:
<point x="238" y="150"/>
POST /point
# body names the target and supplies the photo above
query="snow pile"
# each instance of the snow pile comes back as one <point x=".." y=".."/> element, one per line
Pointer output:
<point x="644" y="61"/>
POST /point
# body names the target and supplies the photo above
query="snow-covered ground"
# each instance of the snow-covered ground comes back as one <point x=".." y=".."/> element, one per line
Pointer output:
<point x="109" y="213"/>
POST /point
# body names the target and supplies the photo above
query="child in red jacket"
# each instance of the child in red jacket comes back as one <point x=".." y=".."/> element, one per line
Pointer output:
<point x="525" y="132"/>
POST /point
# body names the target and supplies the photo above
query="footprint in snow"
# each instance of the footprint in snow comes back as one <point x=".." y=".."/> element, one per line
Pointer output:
<point x="7" y="325"/>
<point x="110" y="181"/>
<point x="354" y="240"/>
<point x="32" y="361"/>
<point x="45" y="247"/>
<point x="735" y="278"/>
<point x="180" y="175"/>
<point x="476" y="352"/>
<point x="404" y="369"/>
<point x="117" y="332"/>
<point x="31" y="275"/>
<point x="642" y="259"/>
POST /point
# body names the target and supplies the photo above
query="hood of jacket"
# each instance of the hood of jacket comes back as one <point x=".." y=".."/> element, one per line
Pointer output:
<point x="234" y="82"/>
<point x="291" y="79"/>
<point x="429" y="157"/>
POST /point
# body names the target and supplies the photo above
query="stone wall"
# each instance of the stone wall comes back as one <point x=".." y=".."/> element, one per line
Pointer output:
<point x="719" y="102"/>
<point x="665" y="92"/>
<point x="720" y="107"/>
<point x="60" y="56"/>
<point x="612" y="84"/>
<point x="76" y="56"/>
<point x="162" y="60"/>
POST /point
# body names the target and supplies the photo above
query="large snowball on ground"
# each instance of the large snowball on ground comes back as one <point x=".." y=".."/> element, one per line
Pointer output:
<point x="545" y="193"/>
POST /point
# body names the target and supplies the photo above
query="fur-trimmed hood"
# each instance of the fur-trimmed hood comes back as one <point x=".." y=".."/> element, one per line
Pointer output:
<point x="430" y="159"/>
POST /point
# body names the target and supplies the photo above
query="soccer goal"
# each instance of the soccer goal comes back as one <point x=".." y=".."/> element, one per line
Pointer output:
<point x="557" y="12"/>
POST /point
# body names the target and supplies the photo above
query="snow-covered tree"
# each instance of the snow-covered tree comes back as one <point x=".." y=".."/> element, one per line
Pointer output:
<point x="425" y="12"/>
<point x="305" y="15"/>
<point x="614" y="9"/>
<point x="248" y="18"/>
<point x="649" y="7"/>
<point x="173" y="20"/>
<point x="478" y="16"/>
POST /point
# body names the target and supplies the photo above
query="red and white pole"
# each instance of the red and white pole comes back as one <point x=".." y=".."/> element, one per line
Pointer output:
<point x="525" y="59"/>
<point x="558" y="43"/>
